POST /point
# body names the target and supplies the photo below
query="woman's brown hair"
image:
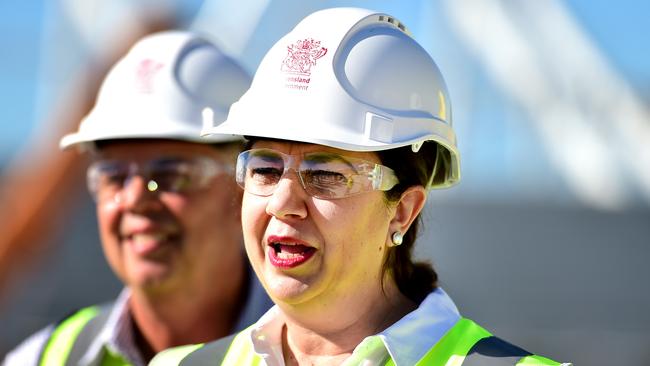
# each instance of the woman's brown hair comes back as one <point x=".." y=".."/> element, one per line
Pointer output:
<point x="414" y="279"/>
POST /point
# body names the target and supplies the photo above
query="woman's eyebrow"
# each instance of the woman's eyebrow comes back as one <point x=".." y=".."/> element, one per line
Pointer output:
<point x="324" y="157"/>
<point x="267" y="155"/>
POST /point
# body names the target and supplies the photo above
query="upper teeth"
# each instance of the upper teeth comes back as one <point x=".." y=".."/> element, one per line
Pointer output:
<point x="148" y="237"/>
<point x="283" y="243"/>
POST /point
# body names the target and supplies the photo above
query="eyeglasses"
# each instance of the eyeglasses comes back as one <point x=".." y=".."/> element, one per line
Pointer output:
<point x="322" y="175"/>
<point x="107" y="178"/>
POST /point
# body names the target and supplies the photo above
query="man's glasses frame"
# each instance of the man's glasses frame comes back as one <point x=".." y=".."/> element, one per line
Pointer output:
<point x="106" y="178"/>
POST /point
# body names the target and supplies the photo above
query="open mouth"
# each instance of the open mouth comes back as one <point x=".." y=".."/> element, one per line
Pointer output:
<point x="148" y="243"/>
<point x="288" y="254"/>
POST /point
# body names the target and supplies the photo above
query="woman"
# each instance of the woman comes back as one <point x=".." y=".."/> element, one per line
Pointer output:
<point x="349" y="125"/>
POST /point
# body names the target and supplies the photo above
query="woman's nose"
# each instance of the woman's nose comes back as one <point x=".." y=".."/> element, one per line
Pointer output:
<point x="288" y="200"/>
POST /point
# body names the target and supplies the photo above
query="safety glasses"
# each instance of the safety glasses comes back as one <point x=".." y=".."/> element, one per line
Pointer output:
<point x="107" y="178"/>
<point x="322" y="175"/>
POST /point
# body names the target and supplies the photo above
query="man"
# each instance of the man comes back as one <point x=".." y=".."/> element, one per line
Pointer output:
<point x="167" y="208"/>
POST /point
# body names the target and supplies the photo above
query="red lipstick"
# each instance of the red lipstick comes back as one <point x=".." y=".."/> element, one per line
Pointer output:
<point x="288" y="252"/>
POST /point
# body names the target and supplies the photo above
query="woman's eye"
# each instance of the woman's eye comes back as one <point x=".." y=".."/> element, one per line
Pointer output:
<point x="266" y="175"/>
<point x="324" y="178"/>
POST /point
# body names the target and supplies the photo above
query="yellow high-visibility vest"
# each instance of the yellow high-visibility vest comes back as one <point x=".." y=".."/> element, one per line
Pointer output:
<point x="466" y="344"/>
<point x="61" y="344"/>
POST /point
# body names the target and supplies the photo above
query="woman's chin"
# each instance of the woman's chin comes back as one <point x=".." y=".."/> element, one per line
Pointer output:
<point x="289" y="290"/>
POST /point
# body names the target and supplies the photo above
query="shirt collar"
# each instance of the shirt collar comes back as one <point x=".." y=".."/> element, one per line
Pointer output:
<point x="410" y="338"/>
<point x="116" y="335"/>
<point x="407" y="341"/>
<point x="266" y="336"/>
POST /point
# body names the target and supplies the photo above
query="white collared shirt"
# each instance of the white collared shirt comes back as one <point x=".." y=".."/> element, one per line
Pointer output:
<point x="406" y="341"/>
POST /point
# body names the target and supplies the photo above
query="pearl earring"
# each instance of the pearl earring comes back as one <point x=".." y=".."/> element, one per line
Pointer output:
<point x="397" y="238"/>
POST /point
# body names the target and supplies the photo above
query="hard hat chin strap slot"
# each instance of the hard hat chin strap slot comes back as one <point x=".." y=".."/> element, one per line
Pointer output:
<point x="434" y="171"/>
<point x="416" y="146"/>
<point x="378" y="127"/>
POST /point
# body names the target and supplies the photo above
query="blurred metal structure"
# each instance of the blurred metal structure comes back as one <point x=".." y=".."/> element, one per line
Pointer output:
<point x="41" y="186"/>
<point x="593" y="127"/>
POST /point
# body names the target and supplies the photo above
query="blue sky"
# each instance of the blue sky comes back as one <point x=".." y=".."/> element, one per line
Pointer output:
<point x="620" y="31"/>
<point x="20" y="32"/>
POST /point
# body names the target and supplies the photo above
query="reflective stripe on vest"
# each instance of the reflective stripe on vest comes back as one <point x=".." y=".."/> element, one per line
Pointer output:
<point x="209" y="353"/>
<point x="466" y="344"/>
<point x="62" y="339"/>
<point x="72" y="337"/>
<point x="452" y="348"/>
<point x="241" y="352"/>
<point x="174" y="355"/>
<point x="535" y="360"/>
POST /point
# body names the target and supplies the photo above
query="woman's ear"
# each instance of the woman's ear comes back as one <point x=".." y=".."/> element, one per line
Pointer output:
<point x="408" y="208"/>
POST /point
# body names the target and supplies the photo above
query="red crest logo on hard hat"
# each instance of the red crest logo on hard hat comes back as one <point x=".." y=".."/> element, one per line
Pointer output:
<point x="145" y="73"/>
<point x="301" y="56"/>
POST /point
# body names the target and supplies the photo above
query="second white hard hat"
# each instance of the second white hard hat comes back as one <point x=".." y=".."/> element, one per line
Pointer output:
<point x="167" y="86"/>
<point x="352" y="79"/>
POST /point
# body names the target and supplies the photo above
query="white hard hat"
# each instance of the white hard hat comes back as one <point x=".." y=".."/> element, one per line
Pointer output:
<point x="167" y="86"/>
<point x="352" y="79"/>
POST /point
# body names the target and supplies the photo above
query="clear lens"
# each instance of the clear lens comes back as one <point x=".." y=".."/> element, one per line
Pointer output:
<point x="106" y="178"/>
<point x="173" y="175"/>
<point x="322" y="175"/>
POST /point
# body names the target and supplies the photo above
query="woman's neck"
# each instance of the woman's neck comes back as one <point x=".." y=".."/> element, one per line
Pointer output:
<point x="329" y="338"/>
